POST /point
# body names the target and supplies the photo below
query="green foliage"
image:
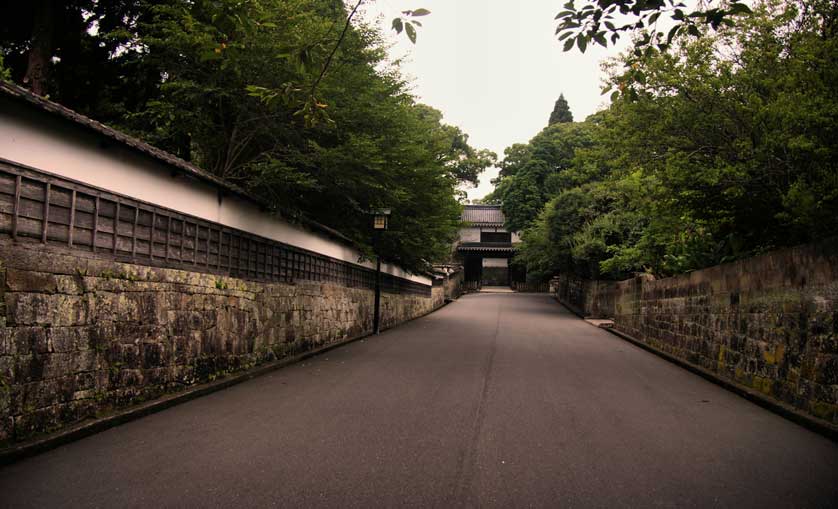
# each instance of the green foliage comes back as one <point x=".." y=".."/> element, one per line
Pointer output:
<point x="561" y="112"/>
<point x="290" y="99"/>
<point x="530" y="174"/>
<point x="407" y="24"/>
<point x="5" y="72"/>
<point x="720" y="148"/>
<point x="602" y="22"/>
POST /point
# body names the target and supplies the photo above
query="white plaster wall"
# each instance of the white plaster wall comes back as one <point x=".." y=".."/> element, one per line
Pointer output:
<point x="55" y="145"/>
<point x="473" y="234"/>
<point x="469" y="234"/>
<point x="495" y="262"/>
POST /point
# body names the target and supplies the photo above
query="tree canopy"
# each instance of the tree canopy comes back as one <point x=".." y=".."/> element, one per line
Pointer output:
<point x="531" y="173"/>
<point x="604" y="21"/>
<point x="561" y="112"/>
<point x="718" y="148"/>
<point x="220" y="83"/>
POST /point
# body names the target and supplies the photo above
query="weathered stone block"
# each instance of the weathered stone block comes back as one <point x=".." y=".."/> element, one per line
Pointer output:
<point x="31" y="340"/>
<point x="85" y="381"/>
<point x="153" y="355"/>
<point x="84" y="394"/>
<point x="7" y="343"/>
<point x="70" y="285"/>
<point x="46" y="309"/>
<point x="57" y="365"/>
<point x="825" y="410"/>
<point x="84" y="361"/>
<point x="40" y="394"/>
<point x="30" y="281"/>
<point x="101" y="335"/>
<point x="6" y="429"/>
<point x="36" y="421"/>
<point x="67" y="339"/>
<point x="85" y="333"/>
<point x="158" y="376"/>
<point x="5" y="395"/>
<point x="775" y="315"/>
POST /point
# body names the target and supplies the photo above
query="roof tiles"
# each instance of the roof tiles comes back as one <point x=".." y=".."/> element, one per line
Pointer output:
<point x="21" y="94"/>
<point x="483" y="214"/>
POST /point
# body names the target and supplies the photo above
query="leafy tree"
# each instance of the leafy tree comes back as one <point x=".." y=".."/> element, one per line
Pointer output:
<point x="601" y="21"/>
<point x="462" y="161"/>
<point x="561" y="112"/>
<point x="743" y="138"/>
<point x="183" y="76"/>
<point x="719" y="148"/>
<point x="73" y="51"/>
<point x="530" y="174"/>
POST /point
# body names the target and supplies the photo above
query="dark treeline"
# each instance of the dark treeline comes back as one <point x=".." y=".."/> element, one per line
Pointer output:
<point x="720" y="148"/>
<point x="238" y="88"/>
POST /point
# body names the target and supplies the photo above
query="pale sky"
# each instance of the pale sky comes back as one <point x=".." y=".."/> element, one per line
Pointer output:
<point x="494" y="68"/>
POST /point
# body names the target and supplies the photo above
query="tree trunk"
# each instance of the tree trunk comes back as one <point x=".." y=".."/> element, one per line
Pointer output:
<point x="40" y="53"/>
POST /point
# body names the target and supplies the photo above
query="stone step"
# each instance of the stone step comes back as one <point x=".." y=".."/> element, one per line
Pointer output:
<point x="601" y="323"/>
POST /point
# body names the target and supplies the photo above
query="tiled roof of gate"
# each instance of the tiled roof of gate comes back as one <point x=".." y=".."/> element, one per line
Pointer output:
<point x="483" y="214"/>
<point x="486" y="249"/>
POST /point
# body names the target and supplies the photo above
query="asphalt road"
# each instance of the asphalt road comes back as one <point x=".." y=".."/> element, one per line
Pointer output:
<point x="497" y="400"/>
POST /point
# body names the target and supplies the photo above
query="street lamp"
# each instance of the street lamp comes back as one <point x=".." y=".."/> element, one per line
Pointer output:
<point x="381" y="219"/>
<point x="380" y="222"/>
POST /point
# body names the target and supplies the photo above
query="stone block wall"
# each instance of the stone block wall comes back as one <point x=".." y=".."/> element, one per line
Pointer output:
<point x="769" y="322"/>
<point x="454" y="285"/>
<point x="81" y="335"/>
<point x="586" y="297"/>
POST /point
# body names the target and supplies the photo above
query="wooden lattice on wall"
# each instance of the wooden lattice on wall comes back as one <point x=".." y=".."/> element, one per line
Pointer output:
<point x="54" y="210"/>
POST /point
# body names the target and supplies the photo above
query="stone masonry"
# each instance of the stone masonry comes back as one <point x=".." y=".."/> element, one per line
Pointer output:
<point x="81" y="335"/>
<point x="769" y="322"/>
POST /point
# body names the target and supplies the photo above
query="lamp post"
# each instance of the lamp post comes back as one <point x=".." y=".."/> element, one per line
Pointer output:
<point x="380" y="222"/>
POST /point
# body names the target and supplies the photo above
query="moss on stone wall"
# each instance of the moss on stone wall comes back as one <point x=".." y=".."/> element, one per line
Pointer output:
<point x="86" y="335"/>
<point x="769" y="322"/>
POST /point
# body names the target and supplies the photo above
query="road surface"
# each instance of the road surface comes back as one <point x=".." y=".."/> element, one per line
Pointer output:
<point x="497" y="400"/>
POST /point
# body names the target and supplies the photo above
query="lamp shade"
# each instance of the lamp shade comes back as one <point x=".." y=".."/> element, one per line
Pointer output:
<point x="381" y="219"/>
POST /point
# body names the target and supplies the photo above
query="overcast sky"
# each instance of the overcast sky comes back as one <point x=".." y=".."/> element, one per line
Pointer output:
<point x="494" y="68"/>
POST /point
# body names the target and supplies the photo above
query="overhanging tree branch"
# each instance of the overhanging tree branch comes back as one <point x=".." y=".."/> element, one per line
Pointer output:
<point x="335" y="48"/>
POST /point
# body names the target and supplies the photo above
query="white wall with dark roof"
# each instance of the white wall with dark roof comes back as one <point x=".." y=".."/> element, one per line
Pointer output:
<point x="483" y="218"/>
<point x="34" y="138"/>
<point x="470" y="234"/>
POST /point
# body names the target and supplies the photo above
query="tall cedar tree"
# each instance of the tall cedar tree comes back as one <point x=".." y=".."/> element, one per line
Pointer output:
<point x="561" y="112"/>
